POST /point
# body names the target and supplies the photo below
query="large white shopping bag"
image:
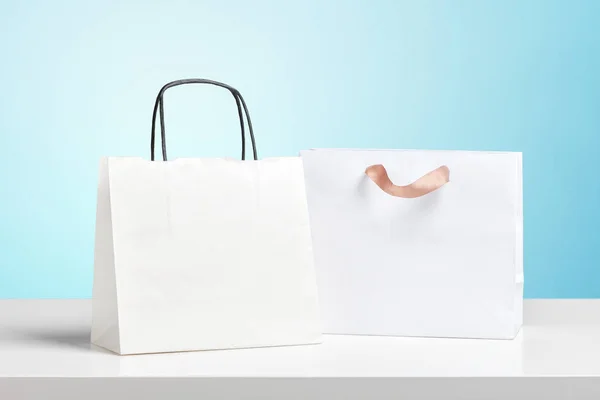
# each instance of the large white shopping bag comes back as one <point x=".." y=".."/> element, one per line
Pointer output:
<point x="196" y="254"/>
<point x="417" y="243"/>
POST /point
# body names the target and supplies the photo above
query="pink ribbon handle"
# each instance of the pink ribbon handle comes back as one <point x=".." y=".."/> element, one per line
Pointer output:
<point x="428" y="183"/>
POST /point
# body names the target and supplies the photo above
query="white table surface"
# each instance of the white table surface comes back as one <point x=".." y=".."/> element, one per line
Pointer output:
<point x="45" y="349"/>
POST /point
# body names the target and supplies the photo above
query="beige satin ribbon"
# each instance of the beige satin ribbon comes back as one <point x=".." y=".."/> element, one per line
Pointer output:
<point x="426" y="184"/>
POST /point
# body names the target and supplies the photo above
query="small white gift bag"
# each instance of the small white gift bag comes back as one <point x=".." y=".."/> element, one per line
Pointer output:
<point x="417" y="243"/>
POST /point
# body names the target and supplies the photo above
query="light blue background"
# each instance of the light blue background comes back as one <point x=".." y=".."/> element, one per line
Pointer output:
<point x="78" y="80"/>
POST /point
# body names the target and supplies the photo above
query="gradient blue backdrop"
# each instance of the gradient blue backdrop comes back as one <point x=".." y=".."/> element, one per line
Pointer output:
<point x="78" y="80"/>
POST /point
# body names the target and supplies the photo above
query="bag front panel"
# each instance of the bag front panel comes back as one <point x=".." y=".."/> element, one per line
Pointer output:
<point x="212" y="253"/>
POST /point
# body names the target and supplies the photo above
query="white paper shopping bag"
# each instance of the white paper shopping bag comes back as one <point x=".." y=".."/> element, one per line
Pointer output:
<point x="417" y="243"/>
<point x="196" y="254"/>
